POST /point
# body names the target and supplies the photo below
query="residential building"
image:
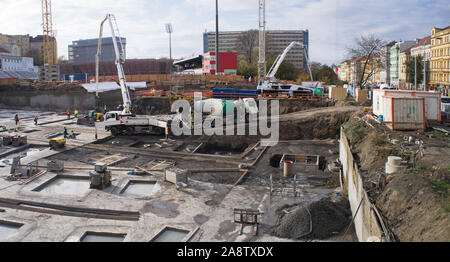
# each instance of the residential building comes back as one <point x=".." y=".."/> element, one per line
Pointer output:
<point x="423" y="49"/>
<point x="276" y="42"/>
<point x="384" y="63"/>
<point x="440" y="59"/>
<point x="37" y="49"/>
<point x="344" y="71"/>
<point x="228" y="63"/>
<point x="10" y="49"/>
<point x="394" y="57"/>
<point x="21" y="41"/>
<point x="402" y="58"/>
<point x="84" y="51"/>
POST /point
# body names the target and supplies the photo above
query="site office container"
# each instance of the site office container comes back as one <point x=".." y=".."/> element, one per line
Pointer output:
<point x="432" y="101"/>
<point x="400" y="113"/>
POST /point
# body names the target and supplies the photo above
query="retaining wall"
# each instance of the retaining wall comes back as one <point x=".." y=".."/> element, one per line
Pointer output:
<point x="56" y="100"/>
<point x="366" y="223"/>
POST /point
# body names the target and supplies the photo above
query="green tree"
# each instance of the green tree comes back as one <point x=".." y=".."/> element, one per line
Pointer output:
<point x="286" y="71"/>
<point x="411" y="69"/>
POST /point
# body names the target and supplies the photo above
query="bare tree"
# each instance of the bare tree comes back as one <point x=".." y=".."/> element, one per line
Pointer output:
<point x="366" y="50"/>
<point x="248" y="42"/>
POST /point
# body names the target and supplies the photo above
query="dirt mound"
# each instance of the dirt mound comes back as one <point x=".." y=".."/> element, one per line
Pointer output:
<point x="295" y="105"/>
<point x="327" y="218"/>
<point x="319" y="125"/>
<point x="416" y="208"/>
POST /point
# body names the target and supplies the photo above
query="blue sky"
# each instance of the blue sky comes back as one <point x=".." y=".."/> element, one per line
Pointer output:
<point x="332" y="24"/>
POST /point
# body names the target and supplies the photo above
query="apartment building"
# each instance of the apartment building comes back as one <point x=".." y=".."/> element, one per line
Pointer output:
<point x="440" y="59"/>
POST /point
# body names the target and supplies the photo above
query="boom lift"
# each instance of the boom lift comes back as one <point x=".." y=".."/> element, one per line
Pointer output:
<point x="270" y="85"/>
<point x="125" y="122"/>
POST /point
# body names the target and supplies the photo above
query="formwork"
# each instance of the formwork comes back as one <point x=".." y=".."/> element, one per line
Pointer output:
<point x="432" y="101"/>
<point x="401" y="113"/>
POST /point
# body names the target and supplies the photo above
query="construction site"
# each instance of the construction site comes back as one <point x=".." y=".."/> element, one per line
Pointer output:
<point x="104" y="161"/>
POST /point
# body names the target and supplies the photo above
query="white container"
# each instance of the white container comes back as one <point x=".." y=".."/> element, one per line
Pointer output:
<point x="401" y="113"/>
<point x="432" y="101"/>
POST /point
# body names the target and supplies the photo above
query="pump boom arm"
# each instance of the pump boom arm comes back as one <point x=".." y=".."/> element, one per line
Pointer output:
<point x="276" y="65"/>
<point x="119" y="61"/>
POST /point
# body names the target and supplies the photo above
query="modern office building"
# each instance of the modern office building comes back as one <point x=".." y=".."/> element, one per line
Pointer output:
<point x="84" y="51"/>
<point x="276" y="42"/>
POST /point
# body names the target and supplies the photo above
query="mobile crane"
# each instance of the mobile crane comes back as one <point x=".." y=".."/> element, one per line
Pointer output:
<point x="125" y="122"/>
<point x="270" y="85"/>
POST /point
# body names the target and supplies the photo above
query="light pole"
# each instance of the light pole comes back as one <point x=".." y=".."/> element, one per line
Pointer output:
<point x="217" y="37"/>
<point x="169" y="30"/>
<point x="415" y="73"/>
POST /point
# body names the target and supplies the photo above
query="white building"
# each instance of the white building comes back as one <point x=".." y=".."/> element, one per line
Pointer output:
<point x="17" y="67"/>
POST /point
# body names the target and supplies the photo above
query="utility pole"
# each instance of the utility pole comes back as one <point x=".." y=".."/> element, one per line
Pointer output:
<point x="415" y="72"/>
<point x="424" y="71"/>
<point x="217" y="38"/>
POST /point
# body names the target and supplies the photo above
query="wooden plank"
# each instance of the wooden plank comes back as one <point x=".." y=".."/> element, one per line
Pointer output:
<point x="195" y="150"/>
<point x="249" y="149"/>
<point x="41" y="173"/>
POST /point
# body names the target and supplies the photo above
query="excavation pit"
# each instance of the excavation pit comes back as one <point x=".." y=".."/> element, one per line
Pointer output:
<point x="102" y="237"/>
<point x="138" y="189"/>
<point x="8" y="228"/>
<point x="65" y="185"/>
<point x="222" y="149"/>
<point x="171" y="235"/>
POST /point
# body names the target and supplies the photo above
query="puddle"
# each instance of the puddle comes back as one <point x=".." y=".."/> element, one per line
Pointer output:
<point x="102" y="237"/>
<point x="171" y="235"/>
<point x="65" y="186"/>
<point x="138" y="189"/>
<point x="7" y="161"/>
<point x="7" y="229"/>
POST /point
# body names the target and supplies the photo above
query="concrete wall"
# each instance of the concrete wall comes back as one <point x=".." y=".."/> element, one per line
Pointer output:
<point x="56" y="100"/>
<point x="365" y="220"/>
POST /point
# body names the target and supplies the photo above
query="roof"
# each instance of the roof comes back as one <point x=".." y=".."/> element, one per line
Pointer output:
<point x="18" y="74"/>
<point x="3" y="50"/>
<point x="425" y="41"/>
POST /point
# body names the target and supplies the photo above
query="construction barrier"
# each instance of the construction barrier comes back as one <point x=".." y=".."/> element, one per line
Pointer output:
<point x="338" y="93"/>
<point x="361" y="95"/>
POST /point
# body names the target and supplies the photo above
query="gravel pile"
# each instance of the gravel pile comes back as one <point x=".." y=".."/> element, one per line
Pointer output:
<point x="327" y="216"/>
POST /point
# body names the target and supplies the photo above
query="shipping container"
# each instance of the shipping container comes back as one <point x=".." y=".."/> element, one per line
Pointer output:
<point x="401" y="113"/>
<point x="432" y="101"/>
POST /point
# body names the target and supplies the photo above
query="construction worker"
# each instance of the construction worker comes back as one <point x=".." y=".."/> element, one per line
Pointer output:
<point x="68" y="113"/>
<point x="16" y="118"/>
<point x="104" y="108"/>
<point x="75" y="113"/>
<point x="72" y="135"/>
<point x="65" y="132"/>
<point x="36" y="118"/>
